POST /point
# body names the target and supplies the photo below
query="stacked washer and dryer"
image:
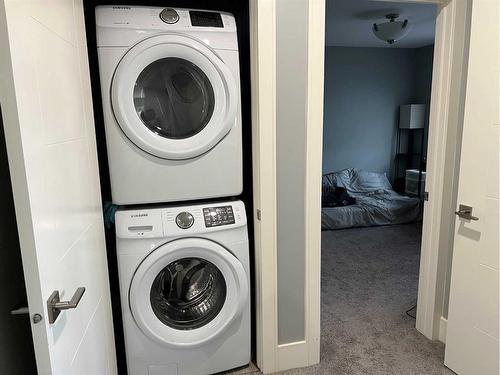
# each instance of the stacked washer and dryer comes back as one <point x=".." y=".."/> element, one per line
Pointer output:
<point x="172" y="114"/>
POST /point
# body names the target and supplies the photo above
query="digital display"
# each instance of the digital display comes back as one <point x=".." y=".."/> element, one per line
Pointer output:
<point x="216" y="216"/>
<point x="205" y="19"/>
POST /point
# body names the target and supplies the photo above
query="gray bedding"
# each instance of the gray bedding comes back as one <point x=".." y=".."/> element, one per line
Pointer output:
<point x="376" y="202"/>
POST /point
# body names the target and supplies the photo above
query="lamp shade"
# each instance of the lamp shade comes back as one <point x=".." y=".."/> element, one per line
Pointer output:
<point x="393" y="30"/>
<point x="412" y="116"/>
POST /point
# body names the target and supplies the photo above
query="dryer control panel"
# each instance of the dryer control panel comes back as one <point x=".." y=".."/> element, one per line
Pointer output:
<point x="205" y="19"/>
<point x="139" y="17"/>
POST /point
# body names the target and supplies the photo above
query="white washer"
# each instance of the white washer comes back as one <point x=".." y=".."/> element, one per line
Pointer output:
<point x="184" y="282"/>
<point x="170" y="86"/>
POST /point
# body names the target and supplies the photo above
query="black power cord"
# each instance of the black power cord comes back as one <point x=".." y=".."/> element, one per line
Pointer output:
<point x="407" y="312"/>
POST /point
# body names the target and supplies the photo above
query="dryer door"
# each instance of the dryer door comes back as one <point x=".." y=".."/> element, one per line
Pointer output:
<point x="187" y="292"/>
<point x="174" y="97"/>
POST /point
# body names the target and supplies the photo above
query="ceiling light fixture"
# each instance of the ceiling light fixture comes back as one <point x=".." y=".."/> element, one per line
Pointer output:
<point x="393" y="30"/>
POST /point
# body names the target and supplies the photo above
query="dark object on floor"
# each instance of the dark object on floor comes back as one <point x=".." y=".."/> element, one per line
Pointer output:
<point x="368" y="277"/>
<point x="336" y="196"/>
<point x="376" y="202"/>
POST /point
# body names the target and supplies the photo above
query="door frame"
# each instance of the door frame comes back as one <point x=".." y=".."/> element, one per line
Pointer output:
<point x="263" y="93"/>
<point x="448" y="87"/>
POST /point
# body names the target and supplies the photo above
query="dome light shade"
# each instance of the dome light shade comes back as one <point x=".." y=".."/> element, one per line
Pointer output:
<point x="393" y="30"/>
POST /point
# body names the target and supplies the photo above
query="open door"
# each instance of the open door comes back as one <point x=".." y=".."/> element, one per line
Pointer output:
<point x="48" y="121"/>
<point x="472" y="337"/>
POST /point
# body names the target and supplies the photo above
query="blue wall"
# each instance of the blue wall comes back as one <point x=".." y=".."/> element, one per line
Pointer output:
<point x="363" y="90"/>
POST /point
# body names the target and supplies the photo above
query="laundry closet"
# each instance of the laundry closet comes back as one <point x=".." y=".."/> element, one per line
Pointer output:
<point x="171" y="104"/>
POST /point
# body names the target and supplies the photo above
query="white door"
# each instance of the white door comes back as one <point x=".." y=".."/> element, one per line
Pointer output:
<point x="472" y="336"/>
<point x="46" y="102"/>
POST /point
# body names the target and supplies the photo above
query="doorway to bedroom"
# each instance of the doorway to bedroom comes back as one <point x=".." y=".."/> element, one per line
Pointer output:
<point x="378" y="75"/>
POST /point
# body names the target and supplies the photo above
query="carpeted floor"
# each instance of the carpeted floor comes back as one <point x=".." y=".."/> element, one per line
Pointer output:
<point x="369" y="279"/>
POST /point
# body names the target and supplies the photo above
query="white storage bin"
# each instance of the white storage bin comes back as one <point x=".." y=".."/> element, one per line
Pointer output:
<point x="411" y="182"/>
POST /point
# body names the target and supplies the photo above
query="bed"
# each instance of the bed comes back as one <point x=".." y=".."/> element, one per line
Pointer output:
<point x="376" y="203"/>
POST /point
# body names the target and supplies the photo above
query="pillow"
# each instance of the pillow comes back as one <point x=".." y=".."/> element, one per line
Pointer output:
<point x="341" y="178"/>
<point x="364" y="181"/>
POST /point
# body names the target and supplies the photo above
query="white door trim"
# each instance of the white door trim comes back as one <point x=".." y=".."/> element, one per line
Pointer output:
<point x="314" y="155"/>
<point x="272" y="357"/>
<point x="263" y="91"/>
<point x="445" y="128"/>
<point x="443" y="156"/>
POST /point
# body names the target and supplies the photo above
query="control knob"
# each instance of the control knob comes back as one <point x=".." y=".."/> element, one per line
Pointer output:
<point x="184" y="220"/>
<point x="169" y="15"/>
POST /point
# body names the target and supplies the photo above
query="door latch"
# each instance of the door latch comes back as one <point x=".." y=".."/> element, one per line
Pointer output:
<point x="55" y="305"/>
<point x="465" y="212"/>
<point x="20" y="311"/>
<point x="37" y="318"/>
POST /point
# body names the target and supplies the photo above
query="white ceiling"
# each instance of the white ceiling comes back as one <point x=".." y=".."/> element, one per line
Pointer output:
<point x="349" y="23"/>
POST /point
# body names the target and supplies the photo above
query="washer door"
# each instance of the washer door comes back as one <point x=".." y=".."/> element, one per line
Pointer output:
<point x="187" y="292"/>
<point x="173" y="97"/>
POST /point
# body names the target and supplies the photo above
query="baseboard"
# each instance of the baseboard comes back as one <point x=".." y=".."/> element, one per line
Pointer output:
<point x="443" y="324"/>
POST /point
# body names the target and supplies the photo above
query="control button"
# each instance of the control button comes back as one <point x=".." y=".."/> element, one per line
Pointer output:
<point x="217" y="216"/>
<point x="184" y="220"/>
<point x="169" y="15"/>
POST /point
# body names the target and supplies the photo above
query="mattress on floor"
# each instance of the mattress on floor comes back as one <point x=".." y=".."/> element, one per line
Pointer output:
<point x="376" y="202"/>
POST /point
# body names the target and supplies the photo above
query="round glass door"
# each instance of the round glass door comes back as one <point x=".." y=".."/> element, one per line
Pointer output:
<point x="174" y="98"/>
<point x="188" y="293"/>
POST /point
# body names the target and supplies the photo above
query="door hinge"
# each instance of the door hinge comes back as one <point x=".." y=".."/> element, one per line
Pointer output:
<point x="258" y="214"/>
<point x="426" y="195"/>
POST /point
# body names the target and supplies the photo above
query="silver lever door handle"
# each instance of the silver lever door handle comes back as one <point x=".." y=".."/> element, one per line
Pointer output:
<point x="55" y="305"/>
<point x="465" y="212"/>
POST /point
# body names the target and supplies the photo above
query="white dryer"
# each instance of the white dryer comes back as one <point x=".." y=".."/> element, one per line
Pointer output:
<point x="170" y="86"/>
<point x="184" y="281"/>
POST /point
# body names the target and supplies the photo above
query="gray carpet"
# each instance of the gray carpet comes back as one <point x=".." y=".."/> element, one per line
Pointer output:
<point x="369" y="279"/>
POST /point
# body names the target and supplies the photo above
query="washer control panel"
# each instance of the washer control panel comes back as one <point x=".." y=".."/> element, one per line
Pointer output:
<point x="216" y="216"/>
<point x="184" y="220"/>
<point x="167" y="222"/>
